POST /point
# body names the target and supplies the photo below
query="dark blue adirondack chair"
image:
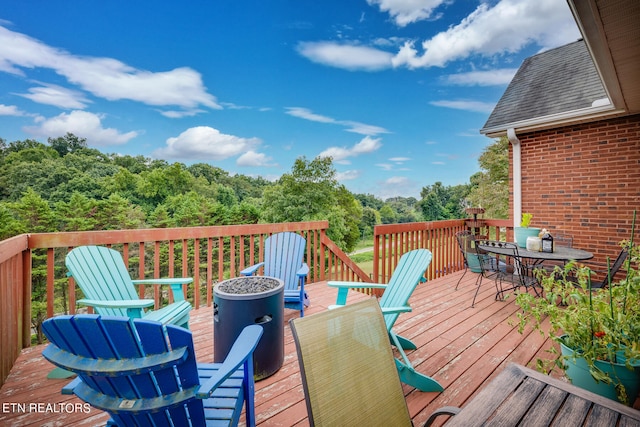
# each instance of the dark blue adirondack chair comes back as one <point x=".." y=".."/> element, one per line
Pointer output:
<point x="143" y="373"/>
<point x="394" y="301"/>
<point x="283" y="258"/>
<point x="107" y="286"/>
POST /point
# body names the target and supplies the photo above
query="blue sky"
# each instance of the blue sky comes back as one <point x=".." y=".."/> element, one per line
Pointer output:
<point x="394" y="90"/>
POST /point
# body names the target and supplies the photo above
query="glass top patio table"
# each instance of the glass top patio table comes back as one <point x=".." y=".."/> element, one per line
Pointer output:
<point x="560" y="253"/>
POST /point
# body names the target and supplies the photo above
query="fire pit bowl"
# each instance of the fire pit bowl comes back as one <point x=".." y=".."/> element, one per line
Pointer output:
<point x="245" y="301"/>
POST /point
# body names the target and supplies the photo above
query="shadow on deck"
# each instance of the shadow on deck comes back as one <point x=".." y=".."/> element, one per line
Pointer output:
<point x="461" y="347"/>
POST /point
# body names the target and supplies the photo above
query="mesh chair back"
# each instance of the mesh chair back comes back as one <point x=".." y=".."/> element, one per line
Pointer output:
<point x="347" y="367"/>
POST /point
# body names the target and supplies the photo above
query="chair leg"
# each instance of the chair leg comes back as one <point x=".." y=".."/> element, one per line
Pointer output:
<point x="478" y="283"/>
<point x="410" y="376"/>
<point x="405" y="343"/>
<point x="460" y="279"/>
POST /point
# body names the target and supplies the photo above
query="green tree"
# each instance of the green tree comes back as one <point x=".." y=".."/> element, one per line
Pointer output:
<point x="387" y="214"/>
<point x="116" y="212"/>
<point x="311" y="192"/>
<point x="443" y="202"/>
<point x="67" y="144"/>
<point x="490" y="186"/>
<point x="370" y="218"/>
<point x="78" y="214"/>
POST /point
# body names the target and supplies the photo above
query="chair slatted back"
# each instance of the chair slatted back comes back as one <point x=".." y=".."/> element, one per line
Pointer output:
<point x="283" y="257"/>
<point x="347" y="366"/>
<point x="102" y="275"/>
<point x="408" y="273"/>
<point x="141" y="388"/>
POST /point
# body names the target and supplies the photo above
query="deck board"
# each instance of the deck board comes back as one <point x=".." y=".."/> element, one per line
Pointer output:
<point x="461" y="347"/>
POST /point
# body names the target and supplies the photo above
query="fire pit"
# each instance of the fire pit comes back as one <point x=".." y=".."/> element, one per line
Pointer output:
<point x="245" y="301"/>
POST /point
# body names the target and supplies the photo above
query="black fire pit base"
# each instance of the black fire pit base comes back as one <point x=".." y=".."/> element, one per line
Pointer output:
<point x="245" y="301"/>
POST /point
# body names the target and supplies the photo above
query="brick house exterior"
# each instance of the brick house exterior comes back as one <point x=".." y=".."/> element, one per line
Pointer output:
<point x="572" y="117"/>
<point x="583" y="180"/>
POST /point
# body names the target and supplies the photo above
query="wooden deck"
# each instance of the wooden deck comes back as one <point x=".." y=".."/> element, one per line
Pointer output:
<point x="461" y="347"/>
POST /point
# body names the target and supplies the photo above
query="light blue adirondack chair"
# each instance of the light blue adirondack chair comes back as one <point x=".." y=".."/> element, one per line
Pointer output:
<point x="283" y="258"/>
<point x="394" y="301"/>
<point x="107" y="286"/>
<point x="142" y="373"/>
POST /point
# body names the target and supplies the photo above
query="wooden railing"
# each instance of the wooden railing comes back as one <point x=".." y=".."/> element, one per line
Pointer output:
<point x="208" y="254"/>
<point x="393" y="240"/>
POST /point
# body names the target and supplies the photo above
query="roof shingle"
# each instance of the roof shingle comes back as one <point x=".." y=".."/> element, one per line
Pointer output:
<point x="552" y="82"/>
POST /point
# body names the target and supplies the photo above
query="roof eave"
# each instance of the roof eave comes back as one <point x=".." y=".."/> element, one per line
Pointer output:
<point x="587" y="17"/>
<point x="554" y="120"/>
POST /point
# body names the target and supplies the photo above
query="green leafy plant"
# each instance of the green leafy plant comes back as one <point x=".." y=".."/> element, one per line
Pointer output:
<point x="526" y="219"/>
<point x="598" y="324"/>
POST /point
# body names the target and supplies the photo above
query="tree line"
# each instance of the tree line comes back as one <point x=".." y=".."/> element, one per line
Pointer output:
<point x="64" y="185"/>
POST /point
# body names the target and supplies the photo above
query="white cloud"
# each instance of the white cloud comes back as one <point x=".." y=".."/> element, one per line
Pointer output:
<point x="348" y="175"/>
<point x="351" y="126"/>
<point x="347" y="56"/>
<point x="340" y="154"/>
<point x="205" y="143"/>
<point x="363" y="129"/>
<point x="305" y="113"/>
<point x="82" y="124"/>
<point x="405" y="12"/>
<point x="399" y="159"/>
<point x="253" y="159"/>
<point x="483" y="78"/>
<point x="397" y="186"/>
<point x="475" y="106"/>
<point x="105" y="77"/>
<point x="173" y="114"/>
<point x="57" y="96"/>
<point x="506" y="27"/>
<point x="11" y="110"/>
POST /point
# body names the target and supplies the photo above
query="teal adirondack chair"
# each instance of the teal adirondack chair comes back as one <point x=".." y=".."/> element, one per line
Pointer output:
<point x="394" y="301"/>
<point x="143" y="373"/>
<point x="283" y="259"/>
<point x="107" y="286"/>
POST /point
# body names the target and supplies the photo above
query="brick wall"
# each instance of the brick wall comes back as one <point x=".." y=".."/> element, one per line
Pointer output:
<point x="584" y="180"/>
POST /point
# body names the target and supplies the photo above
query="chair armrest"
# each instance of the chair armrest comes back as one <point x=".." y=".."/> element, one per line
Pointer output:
<point x="241" y="351"/>
<point x="250" y="271"/>
<point x="68" y="389"/>
<point x="445" y="410"/>
<point x="390" y="310"/>
<point x="133" y="303"/>
<point x="343" y="289"/>
<point x="355" y="285"/>
<point x="303" y="271"/>
<point x="164" y="281"/>
<point x="176" y="284"/>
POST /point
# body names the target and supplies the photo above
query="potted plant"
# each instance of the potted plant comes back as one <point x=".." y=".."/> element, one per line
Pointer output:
<point x="598" y="330"/>
<point x="521" y="233"/>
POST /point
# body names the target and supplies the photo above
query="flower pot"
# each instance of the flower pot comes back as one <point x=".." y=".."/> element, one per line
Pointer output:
<point x="521" y="234"/>
<point x="577" y="370"/>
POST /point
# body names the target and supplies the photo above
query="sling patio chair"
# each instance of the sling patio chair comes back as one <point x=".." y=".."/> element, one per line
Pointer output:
<point x="284" y="259"/>
<point x="143" y="373"/>
<point x="394" y="301"/>
<point x="103" y="277"/>
<point x="347" y="369"/>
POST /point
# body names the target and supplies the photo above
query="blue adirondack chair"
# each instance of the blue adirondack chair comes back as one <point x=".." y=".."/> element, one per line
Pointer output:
<point x="107" y="286"/>
<point x="394" y="301"/>
<point x="283" y="258"/>
<point x="143" y="373"/>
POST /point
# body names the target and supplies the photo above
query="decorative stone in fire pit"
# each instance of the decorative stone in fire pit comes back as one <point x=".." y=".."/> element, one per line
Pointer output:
<point x="245" y="301"/>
